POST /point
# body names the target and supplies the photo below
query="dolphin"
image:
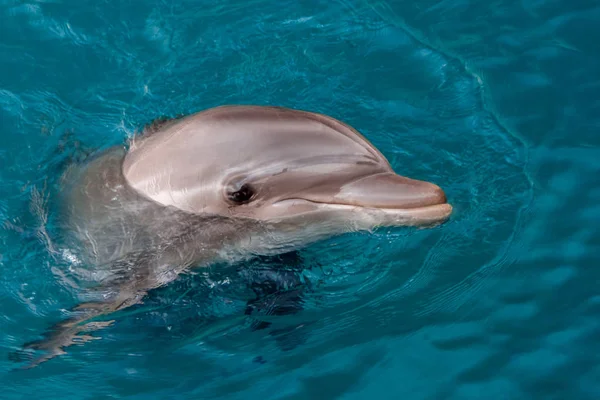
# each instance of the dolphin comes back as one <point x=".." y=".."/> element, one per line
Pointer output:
<point x="224" y="184"/>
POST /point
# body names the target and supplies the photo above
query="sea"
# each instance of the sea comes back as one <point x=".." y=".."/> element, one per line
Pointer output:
<point x="497" y="102"/>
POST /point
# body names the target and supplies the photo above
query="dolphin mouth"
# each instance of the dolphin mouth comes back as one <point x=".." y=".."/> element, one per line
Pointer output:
<point x="430" y="215"/>
<point x="399" y="199"/>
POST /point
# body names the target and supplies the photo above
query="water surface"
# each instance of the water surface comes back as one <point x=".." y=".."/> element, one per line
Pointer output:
<point x="497" y="102"/>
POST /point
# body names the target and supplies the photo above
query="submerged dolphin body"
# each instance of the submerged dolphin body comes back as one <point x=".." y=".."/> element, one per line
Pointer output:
<point x="223" y="185"/>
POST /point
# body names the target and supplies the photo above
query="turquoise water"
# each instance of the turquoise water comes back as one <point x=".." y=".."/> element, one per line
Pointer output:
<point x="495" y="101"/>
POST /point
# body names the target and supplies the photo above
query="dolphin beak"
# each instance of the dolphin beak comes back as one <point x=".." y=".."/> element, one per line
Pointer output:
<point x="389" y="190"/>
<point x="411" y="201"/>
<point x="389" y="198"/>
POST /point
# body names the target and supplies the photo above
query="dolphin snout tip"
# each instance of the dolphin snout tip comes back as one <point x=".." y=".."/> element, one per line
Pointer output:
<point x="410" y="193"/>
<point x="425" y="202"/>
<point x="434" y="195"/>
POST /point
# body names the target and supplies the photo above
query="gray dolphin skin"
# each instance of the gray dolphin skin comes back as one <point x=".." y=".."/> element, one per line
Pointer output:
<point x="222" y="185"/>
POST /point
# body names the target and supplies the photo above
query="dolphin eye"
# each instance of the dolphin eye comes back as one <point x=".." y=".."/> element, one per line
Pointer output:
<point x="243" y="195"/>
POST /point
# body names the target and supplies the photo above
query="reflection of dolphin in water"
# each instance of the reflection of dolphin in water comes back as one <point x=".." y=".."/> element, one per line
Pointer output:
<point x="223" y="185"/>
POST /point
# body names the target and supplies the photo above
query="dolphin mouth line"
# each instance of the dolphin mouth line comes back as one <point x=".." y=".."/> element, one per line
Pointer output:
<point x="441" y="210"/>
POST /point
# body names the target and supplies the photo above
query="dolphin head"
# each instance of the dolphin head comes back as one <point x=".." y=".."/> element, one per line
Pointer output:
<point x="304" y="175"/>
